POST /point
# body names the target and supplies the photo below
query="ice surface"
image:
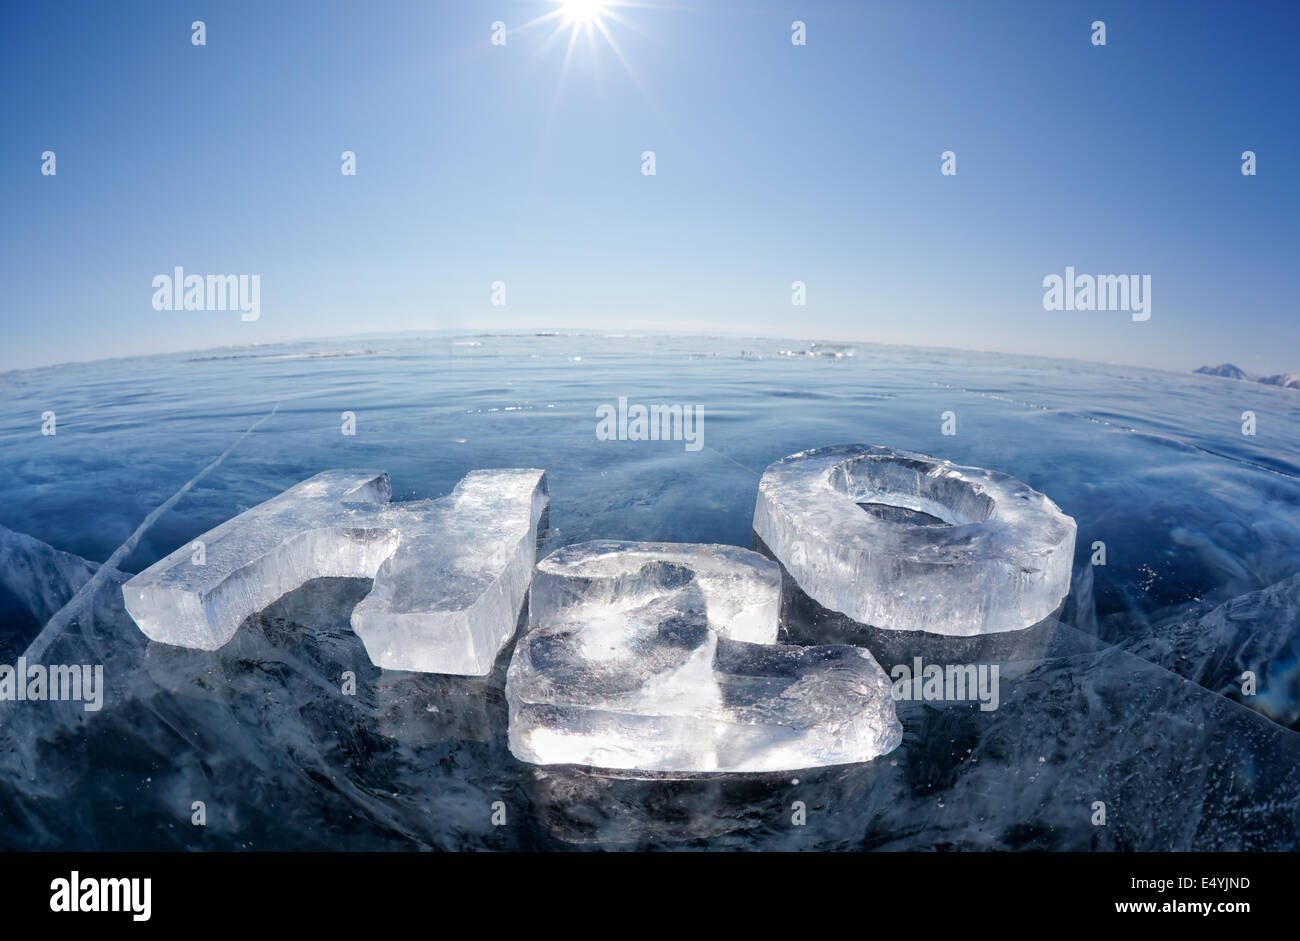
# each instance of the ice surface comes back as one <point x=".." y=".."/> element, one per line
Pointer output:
<point x="259" y="731"/>
<point x="40" y="577"/>
<point x="903" y="541"/>
<point x="449" y="574"/>
<point x="631" y="662"/>
<point x="1258" y="632"/>
<point x="285" y="762"/>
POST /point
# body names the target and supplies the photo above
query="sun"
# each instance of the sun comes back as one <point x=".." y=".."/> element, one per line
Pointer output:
<point x="592" y="25"/>
<point x="582" y="11"/>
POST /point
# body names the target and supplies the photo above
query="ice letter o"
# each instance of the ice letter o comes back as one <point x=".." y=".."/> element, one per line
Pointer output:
<point x="907" y="542"/>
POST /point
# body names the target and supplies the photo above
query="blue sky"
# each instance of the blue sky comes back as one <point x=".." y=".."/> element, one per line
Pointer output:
<point x="775" y="163"/>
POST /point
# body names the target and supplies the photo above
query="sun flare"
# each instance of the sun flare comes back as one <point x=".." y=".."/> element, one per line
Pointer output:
<point x="582" y="11"/>
<point x="587" y="30"/>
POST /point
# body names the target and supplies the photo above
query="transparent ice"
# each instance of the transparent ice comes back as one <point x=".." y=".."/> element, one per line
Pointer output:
<point x="632" y="661"/>
<point x="41" y="578"/>
<point x="448" y="599"/>
<point x="904" y="541"/>
<point x="449" y="574"/>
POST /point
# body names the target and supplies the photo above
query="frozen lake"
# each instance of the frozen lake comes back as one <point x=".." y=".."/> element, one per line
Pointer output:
<point x="1133" y="699"/>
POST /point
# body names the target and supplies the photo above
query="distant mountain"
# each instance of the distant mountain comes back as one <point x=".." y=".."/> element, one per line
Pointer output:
<point x="1289" y="380"/>
<point x="1226" y="370"/>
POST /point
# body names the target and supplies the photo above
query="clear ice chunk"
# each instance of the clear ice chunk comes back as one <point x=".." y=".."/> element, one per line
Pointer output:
<point x="904" y="541"/>
<point x="740" y="590"/>
<point x="450" y="575"/>
<point x="634" y="660"/>
<point x="448" y="599"/>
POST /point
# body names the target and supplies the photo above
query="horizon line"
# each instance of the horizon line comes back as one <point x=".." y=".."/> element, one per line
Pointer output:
<point x="578" y="332"/>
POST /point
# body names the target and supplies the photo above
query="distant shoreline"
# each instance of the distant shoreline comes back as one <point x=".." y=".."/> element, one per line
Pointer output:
<point x="1229" y="371"/>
